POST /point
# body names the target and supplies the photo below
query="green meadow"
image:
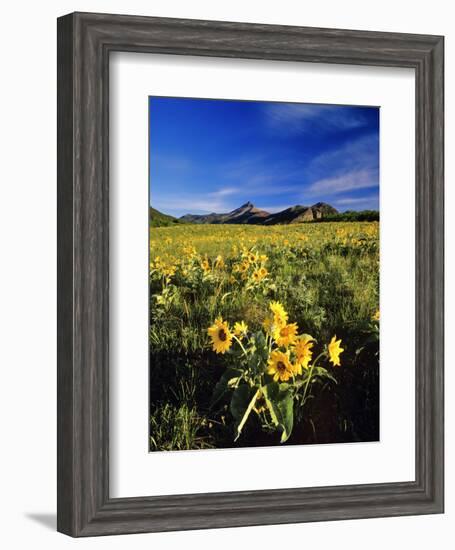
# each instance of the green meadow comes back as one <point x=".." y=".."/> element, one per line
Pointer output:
<point x="326" y="277"/>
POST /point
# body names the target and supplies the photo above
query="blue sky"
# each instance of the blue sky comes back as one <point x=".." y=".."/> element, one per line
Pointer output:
<point x="214" y="155"/>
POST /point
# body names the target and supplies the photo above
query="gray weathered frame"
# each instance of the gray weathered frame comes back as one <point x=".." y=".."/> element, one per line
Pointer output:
<point x="84" y="43"/>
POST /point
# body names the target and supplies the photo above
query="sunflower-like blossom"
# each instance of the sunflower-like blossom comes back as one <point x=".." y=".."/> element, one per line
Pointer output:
<point x="221" y="336"/>
<point x="335" y="350"/>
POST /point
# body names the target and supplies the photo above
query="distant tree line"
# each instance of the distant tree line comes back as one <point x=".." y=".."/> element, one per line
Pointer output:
<point x="351" y="216"/>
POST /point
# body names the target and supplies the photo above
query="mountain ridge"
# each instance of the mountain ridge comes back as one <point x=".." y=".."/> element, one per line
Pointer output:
<point x="247" y="213"/>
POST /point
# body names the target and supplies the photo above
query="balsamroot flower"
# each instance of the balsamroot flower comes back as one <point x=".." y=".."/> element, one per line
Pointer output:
<point x="240" y="329"/>
<point x="303" y="352"/>
<point x="221" y="336"/>
<point x="279" y="366"/>
<point x="285" y="335"/>
<point x="334" y="351"/>
<point x="280" y="317"/>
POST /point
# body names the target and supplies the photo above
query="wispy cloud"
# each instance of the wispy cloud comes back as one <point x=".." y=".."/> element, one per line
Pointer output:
<point x="191" y="204"/>
<point x="264" y="176"/>
<point x="224" y="192"/>
<point x="223" y="199"/>
<point x="369" y="202"/>
<point x="357" y="154"/>
<point x="296" y="118"/>
<point x="359" y="179"/>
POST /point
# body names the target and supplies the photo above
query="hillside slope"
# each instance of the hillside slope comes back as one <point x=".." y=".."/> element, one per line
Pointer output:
<point x="158" y="219"/>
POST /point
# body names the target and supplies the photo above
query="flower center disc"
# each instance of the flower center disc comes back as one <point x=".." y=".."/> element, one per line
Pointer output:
<point x="281" y="366"/>
<point x="222" y="335"/>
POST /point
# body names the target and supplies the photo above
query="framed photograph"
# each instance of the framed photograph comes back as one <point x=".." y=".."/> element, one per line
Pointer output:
<point x="250" y="274"/>
<point x="257" y="283"/>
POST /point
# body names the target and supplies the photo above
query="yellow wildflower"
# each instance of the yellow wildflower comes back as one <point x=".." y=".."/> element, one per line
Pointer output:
<point x="169" y="271"/>
<point x="279" y="366"/>
<point x="240" y="328"/>
<point x="205" y="265"/>
<point x="280" y="317"/>
<point x="219" y="262"/>
<point x="285" y="336"/>
<point x="221" y="336"/>
<point x="243" y="267"/>
<point x="258" y="275"/>
<point x="303" y="352"/>
<point x="334" y="351"/>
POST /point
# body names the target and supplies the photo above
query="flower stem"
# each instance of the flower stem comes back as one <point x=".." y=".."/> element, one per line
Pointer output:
<point x="240" y="344"/>
<point x="247" y="413"/>
<point x="305" y="391"/>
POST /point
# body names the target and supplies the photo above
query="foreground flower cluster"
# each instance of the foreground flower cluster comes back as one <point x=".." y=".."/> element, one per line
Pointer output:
<point x="270" y="370"/>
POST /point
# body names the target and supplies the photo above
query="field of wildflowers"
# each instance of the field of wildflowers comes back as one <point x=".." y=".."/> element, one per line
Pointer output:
<point x="263" y="335"/>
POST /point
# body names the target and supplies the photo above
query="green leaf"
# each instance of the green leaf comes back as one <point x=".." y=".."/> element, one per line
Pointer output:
<point x="242" y="403"/>
<point x="286" y="408"/>
<point x="240" y="400"/>
<point x="261" y="347"/>
<point x="281" y="405"/>
<point x="260" y="340"/>
<point x="222" y="386"/>
<point x="270" y="392"/>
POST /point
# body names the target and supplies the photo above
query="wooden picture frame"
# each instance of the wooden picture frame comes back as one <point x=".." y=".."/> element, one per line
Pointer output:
<point x="84" y="43"/>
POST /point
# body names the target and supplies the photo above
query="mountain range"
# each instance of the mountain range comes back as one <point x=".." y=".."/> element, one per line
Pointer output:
<point x="249" y="214"/>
